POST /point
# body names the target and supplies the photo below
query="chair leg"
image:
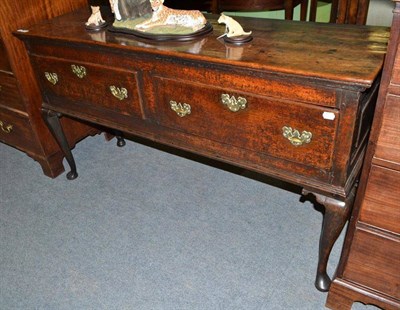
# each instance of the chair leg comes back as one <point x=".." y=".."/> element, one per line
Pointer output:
<point x="289" y="9"/>
<point x="303" y="10"/>
<point x="313" y="10"/>
<point x="215" y="7"/>
<point x="334" y="12"/>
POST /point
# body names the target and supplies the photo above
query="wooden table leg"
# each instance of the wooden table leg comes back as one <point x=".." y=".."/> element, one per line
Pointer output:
<point x="335" y="216"/>
<point x="52" y="120"/>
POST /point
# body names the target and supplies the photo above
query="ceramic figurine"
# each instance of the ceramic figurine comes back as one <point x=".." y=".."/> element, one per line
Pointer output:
<point x="164" y="16"/>
<point x="95" y="19"/>
<point x="233" y="28"/>
<point x="122" y="9"/>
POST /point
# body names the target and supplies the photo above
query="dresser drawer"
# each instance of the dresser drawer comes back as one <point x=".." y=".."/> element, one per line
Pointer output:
<point x="381" y="203"/>
<point x="388" y="144"/>
<point x="262" y="125"/>
<point x="16" y="130"/>
<point x="96" y="86"/>
<point x="4" y="63"/>
<point x="396" y="69"/>
<point x="9" y="93"/>
<point x="374" y="262"/>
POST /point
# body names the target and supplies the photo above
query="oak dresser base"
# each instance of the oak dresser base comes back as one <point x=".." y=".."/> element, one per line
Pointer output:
<point x="284" y="105"/>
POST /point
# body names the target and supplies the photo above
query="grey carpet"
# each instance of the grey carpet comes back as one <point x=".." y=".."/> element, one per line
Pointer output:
<point x="145" y="229"/>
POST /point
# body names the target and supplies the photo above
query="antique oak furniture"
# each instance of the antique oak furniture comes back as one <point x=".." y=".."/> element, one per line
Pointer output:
<point x="369" y="270"/>
<point x="296" y="103"/>
<point x="21" y="124"/>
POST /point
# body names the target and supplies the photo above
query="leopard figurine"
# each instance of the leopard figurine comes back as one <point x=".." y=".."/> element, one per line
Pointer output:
<point x="163" y="16"/>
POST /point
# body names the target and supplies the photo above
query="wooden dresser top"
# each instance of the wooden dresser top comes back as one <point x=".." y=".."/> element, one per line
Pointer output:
<point x="346" y="54"/>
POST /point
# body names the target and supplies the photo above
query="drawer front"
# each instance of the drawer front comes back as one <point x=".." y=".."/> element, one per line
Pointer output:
<point x="99" y="87"/>
<point x="388" y="145"/>
<point x="4" y="63"/>
<point x="16" y="130"/>
<point x="396" y="69"/>
<point x="9" y="93"/>
<point x="287" y="130"/>
<point x="374" y="262"/>
<point x="381" y="205"/>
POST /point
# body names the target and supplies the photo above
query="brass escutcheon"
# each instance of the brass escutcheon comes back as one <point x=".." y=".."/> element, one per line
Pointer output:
<point x="5" y="128"/>
<point x="232" y="103"/>
<point x="51" y="77"/>
<point x="79" y="71"/>
<point x="120" y="93"/>
<point x="180" y="109"/>
<point x="294" y="136"/>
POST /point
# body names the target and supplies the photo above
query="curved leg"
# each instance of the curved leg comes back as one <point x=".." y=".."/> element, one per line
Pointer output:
<point x="335" y="216"/>
<point x="52" y="120"/>
<point x="120" y="139"/>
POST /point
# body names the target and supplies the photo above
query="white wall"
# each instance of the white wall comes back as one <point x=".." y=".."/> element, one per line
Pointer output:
<point x="380" y="12"/>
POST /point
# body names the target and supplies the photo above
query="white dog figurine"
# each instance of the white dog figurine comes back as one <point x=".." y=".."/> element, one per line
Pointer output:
<point x="233" y="28"/>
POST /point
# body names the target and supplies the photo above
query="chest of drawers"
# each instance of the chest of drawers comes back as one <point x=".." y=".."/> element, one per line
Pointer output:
<point x="296" y="103"/>
<point x="369" y="269"/>
<point x="21" y="125"/>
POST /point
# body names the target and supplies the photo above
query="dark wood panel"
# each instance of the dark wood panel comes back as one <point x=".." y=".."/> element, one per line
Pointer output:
<point x="205" y="5"/>
<point x="16" y="130"/>
<point x="396" y="69"/>
<point x="388" y="144"/>
<point x="344" y="293"/>
<point x="261" y="121"/>
<point x="9" y="92"/>
<point x="381" y="203"/>
<point x="374" y="263"/>
<point x="93" y="87"/>
<point x="4" y="63"/>
<point x="256" y="5"/>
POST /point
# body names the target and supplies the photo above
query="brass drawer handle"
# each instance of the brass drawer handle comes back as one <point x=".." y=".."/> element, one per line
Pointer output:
<point x="294" y="136"/>
<point x="6" y="128"/>
<point x="232" y="103"/>
<point x="79" y="71"/>
<point x="120" y="93"/>
<point x="51" y="77"/>
<point x="180" y="109"/>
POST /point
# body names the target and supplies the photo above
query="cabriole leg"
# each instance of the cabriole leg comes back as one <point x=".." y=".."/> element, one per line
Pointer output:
<point x="335" y="216"/>
<point x="120" y="139"/>
<point x="52" y="120"/>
